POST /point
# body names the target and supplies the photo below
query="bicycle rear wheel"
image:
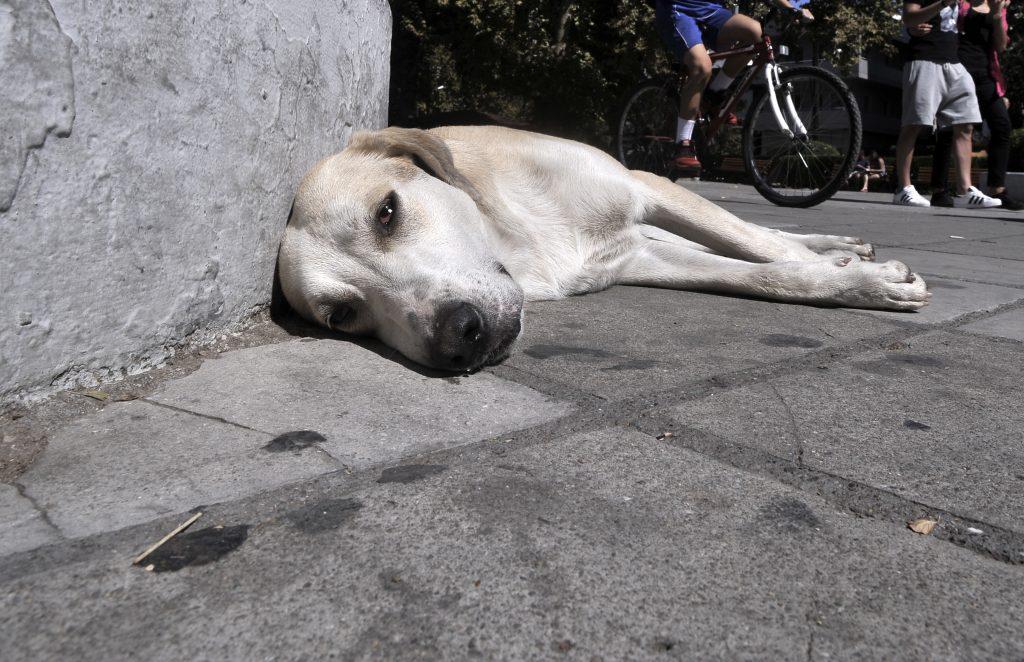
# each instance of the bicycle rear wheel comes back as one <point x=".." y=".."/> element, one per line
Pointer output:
<point x="802" y="171"/>
<point x="645" y="139"/>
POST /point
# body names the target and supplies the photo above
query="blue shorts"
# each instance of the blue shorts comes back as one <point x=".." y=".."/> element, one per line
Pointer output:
<point x="683" y="24"/>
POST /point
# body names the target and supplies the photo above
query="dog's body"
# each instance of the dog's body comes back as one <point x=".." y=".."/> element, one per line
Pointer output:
<point x="432" y="240"/>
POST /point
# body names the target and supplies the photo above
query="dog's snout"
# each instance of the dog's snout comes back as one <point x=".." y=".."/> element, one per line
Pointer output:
<point x="461" y="336"/>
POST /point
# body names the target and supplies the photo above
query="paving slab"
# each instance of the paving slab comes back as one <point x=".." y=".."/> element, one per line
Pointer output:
<point x="601" y="546"/>
<point x="132" y="462"/>
<point x="22" y="526"/>
<point x="889" y="230"/>
<point x="952" y="299"/>
<point x="1009" y="324"/>
<point x="937" y="420"/>
<point x="961" y="267"/>
<point x="1009" y="247"/>
<point x="628" y="340"/>
<point x="369" y="408"/>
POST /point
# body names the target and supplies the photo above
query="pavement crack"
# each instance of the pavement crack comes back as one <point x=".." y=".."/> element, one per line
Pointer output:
<point x="218" y="419"/>
<point x="792" y="424"/>
<point x="860" y="499"/>
<point x="811" y="623"/>
<point x="43" y="515"/>
<point x="546" y="386"/>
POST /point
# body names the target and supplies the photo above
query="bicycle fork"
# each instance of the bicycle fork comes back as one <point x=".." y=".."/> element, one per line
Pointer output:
<point x="771" y="74"/>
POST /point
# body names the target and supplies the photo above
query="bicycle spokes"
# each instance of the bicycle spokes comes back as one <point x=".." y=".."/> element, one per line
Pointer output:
<point x="802" y="136"/>
<point x="647" y="129"/>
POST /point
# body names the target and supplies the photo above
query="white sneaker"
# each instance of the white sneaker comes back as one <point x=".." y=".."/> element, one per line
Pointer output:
<point x="975" y="199"/>
<point x="910" y="197"/>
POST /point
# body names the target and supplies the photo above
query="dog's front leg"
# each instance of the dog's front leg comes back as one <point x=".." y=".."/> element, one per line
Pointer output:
<point x="841" y="281"/>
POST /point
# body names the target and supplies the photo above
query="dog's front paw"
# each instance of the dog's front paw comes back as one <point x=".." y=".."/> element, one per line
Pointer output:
<point x="888" y="286"/>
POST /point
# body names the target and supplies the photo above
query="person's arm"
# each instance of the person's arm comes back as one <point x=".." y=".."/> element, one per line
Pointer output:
<point x="805" y="14"/>
<point x="998" y="17"/>
<point x="914" y="13"/>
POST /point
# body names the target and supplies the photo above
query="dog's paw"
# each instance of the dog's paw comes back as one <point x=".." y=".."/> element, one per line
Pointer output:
<point x="835" y="245"/>
<point x="888" y="286"/>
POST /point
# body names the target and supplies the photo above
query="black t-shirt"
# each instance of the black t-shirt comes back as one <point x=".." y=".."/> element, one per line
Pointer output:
<point x="939" y="45"/>
<point x="975" y="37"/>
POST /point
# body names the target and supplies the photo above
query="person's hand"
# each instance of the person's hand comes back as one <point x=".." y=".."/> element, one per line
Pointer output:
<point x="807" y="17"/>
<point x="919" y="30"/>
<point x="1006" y="102"/>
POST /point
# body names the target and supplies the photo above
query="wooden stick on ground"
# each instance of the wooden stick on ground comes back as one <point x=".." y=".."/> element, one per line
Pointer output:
<point x="155" y="546"/>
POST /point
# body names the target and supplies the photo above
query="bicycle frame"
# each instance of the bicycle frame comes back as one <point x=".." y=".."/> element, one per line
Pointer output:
<point x="763" y="55"/>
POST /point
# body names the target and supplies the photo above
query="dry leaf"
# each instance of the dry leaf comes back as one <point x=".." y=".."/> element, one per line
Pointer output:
<point x="94" y="394"/>
<point x="923" y="526"/>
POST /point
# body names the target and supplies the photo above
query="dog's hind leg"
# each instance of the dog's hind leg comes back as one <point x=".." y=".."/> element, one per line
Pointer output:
<point x="657" y="234"/>
<point x="840" y="281"/>
<point x="673" y="208"/>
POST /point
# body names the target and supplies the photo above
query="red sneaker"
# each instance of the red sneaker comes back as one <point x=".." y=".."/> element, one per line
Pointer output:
<point x="685" y="160"/>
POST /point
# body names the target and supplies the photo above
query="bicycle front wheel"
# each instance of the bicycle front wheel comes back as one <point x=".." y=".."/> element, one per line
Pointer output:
<point x="646" y="129"/>
<point x="808" y="167"/>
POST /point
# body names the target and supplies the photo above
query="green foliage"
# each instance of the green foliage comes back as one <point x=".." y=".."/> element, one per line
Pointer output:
<point x="819" y="148"/>
<point x="1012" y="64"/>
<point x="1017" y="151"/>
<point x="560" y="65"/>
<point x="842" y="29"/>
<point x="563" y="66"/>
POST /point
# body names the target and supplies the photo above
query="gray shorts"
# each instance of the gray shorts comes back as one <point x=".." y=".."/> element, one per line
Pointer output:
<point x="938" y="94"/>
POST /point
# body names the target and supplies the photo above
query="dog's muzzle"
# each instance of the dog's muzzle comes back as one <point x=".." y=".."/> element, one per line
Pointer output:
<point x="464" y="339"/>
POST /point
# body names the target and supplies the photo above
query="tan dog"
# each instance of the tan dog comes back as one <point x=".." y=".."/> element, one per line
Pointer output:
<point x="432" y="241"/>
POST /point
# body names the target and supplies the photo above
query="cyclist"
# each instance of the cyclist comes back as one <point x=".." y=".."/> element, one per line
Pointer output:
<point x="690" y="28"/>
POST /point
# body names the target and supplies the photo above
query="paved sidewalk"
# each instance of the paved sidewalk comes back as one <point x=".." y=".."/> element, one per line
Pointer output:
<point x="652" y="474"/>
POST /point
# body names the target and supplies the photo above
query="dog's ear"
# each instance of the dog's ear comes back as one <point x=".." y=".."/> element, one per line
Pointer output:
<point x="422" y="148"/>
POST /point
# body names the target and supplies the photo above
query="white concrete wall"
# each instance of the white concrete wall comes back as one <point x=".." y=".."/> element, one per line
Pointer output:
<point x="148" y="156"/>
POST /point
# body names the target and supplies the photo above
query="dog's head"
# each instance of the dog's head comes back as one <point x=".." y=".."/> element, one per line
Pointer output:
<point x="386" y="239"/>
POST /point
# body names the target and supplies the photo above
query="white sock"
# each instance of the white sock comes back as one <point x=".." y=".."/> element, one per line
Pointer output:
<point x="684" y="129"/>
<point x="720" y="82"/>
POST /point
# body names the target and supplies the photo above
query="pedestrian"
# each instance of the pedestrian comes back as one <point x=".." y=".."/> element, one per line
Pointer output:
<point x="870" y="168"/>
<point x="937" y="90"/>
<point x="983" y="37"/>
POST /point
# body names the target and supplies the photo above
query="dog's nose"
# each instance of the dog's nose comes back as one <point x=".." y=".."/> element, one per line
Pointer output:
<point x="461" y="336"/>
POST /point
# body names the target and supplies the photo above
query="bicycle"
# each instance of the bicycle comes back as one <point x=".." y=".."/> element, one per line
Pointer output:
<point x="800" y="138"/>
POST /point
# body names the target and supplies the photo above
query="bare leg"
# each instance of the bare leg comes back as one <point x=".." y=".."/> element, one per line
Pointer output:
<point x="840" y="281"/>
<point x="738" y="31"/>
<point x="698" y="70"/>
<point x="962" y="149"/>
<point x="905" y="152"/>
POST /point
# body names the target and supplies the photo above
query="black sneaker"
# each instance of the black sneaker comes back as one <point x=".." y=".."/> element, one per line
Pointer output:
<point x="713" y="101"/>
<point x="1009" y="203"/>
<point x="942" y="199"/>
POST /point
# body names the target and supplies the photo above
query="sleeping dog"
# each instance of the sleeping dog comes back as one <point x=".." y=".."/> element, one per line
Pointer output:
<point x="433" y="240"/>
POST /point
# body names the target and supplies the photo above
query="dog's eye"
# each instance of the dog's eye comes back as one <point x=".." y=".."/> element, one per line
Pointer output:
<point x="385" y="211"/>
<point x="342" y="313"/>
